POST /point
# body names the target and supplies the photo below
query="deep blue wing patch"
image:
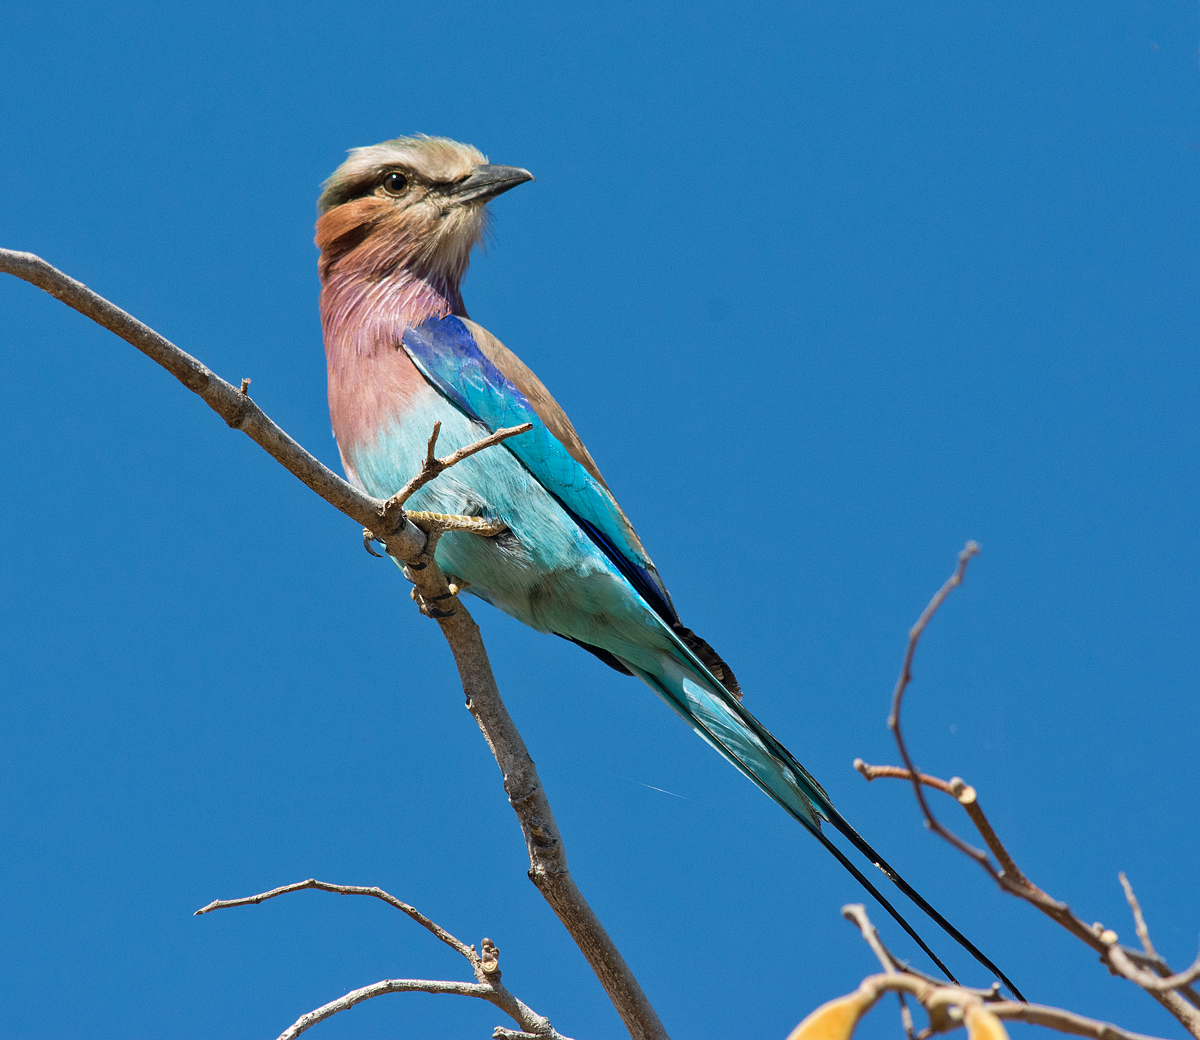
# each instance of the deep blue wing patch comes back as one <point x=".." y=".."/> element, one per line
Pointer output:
<point x="447" y="355"/>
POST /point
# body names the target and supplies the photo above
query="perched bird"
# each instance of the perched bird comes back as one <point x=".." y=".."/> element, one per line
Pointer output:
<point x="397" y="224"/>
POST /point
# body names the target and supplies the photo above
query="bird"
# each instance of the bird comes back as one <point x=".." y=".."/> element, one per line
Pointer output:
<point x="397" y="223"/>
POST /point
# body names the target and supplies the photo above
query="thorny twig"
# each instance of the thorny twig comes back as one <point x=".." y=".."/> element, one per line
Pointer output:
<point x="486" y="969"/>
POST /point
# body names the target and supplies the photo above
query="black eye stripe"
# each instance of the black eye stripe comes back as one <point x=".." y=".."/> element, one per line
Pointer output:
<point x="361" y="189"/>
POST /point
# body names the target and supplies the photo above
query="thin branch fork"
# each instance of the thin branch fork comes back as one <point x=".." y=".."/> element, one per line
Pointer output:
<point x="432" y="466"/>
<point x="914" y="636"/>
<point x="1145" y="968"/>
<point x="948" y="1005"/>
<point x="856" y="914"/>
<point x="351" y="890"/>
<point x="487" y="985"/>
<point x="434" y="525"/>
<point x="405" y="541"/>
<point x="1173" y="991"/>
<point x="1147" y="980"/>
<point x="1009" y="875"/>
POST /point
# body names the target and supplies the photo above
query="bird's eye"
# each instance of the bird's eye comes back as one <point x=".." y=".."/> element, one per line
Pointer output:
<point x="395" y="183"/>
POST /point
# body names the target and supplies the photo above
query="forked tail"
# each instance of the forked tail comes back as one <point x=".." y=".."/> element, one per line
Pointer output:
<point x="711" y="711"/>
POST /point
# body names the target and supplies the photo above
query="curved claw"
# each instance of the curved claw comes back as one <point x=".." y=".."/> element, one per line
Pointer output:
<point x="368" y="538"/>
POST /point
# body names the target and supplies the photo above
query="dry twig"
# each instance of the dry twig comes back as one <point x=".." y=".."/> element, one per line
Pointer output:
<point x="487" y="985"/>
<point x="914" y="636"/>
<point x="1139" y="922"/>
<point x="948" y="1006"/>
<point x="1172" y="990"/>
<point x="432" y="466"/>
<point x="1144" y="968"/>
<point x="856" y="913"/>
<point x="404" y="541"/>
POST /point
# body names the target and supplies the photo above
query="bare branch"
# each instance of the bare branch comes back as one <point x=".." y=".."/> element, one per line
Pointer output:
<point x="1160" y="967"/>
<point x="482" y="991"/>
<point x="378" y="989"/>
<point x="1148" y="981"/>
<point x="857" y="913"/>
<point x="914" y="636"/>
<point x="949" y="1005"/>
<point x="351" y="890"/>
<point x="1159" y="982"/>
<point x="406" y="542"/>
<point x="486" y="968"/>
<point x="1063" y="1021"/>
<point x="1139" y="922"/>
<point x="906" y="1019"/>
<point x="898" y="773"/>
<point x="1009" y="876"/>
<point x="547" y="855"/>
<point x="1150" y="958"/>
<point x="1013" y="880"/>
<point x="433" y="466"/>
<point x="237" y="409"/>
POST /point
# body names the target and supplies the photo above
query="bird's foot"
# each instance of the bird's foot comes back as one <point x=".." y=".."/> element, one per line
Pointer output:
<point x="437" y="524"/>
<point x="440" y="523"/>
<point x="432" y="607"/>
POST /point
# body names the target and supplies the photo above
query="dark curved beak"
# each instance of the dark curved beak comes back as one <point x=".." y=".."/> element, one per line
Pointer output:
<point x="486" y="182"/>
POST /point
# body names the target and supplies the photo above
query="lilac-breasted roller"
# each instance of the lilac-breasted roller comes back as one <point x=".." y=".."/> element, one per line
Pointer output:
<point x="397" y="224"/>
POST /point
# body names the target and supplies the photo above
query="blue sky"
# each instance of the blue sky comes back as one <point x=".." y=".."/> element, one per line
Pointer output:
<point x="828" y="290"/>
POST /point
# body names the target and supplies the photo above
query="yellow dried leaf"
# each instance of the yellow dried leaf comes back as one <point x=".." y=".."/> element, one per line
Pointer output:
<point x="835" y="1020"/>
<point x="983" y="1025"/>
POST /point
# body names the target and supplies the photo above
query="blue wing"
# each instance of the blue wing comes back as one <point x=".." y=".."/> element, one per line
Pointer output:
<point x="447" y="355"/>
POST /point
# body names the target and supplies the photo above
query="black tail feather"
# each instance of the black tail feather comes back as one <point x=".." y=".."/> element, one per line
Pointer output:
<point x="860" y="843"/>
<point x="861" y="879"/>
<point x="810" y="796"/>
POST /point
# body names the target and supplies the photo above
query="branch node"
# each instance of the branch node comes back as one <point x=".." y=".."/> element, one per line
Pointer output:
<point x="963" y="791"/>
<point x="490" y="961"/>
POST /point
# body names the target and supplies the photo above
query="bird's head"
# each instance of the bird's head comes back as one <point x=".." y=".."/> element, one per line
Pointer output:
<point x="415" y="205"/>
